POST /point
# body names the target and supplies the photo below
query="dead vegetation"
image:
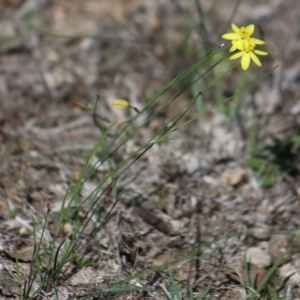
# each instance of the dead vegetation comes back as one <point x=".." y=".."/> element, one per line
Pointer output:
<point x="222" y="190"/>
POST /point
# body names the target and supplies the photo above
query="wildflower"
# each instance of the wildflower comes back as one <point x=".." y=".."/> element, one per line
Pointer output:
<point x="242" y="41"/>
<point x="242" y="33"/>
<point x="247" y="52"/>
<point x="120" y="103"/>
<point x="239" y="33"/>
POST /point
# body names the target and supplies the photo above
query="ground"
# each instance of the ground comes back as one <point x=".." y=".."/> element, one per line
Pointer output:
<point x="217" y="192"/>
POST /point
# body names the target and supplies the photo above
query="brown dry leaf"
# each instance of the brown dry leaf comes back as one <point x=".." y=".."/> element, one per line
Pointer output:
<point x="153" y="220"/>
<point x="85" y="276"/>
<point x="260" y="275"/>
<point x="24" y="254"/>
<point x="240" y="275"/>
<point x="289" y="272"/>
<point x="161" y="259"/>
<point x="234" y="178"/>
<point x="278" y="245"/>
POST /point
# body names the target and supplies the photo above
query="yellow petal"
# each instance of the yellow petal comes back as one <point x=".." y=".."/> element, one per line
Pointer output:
<point x="255" y="58"/>
<point x="259" y="42"/>
<point x="237" y="55"/>
<point x="230" y="36"/>
<point x="233" y="48"/>
<point x="245" y="62"/>
<point x="235" y="29"/>
<point x="238" y="45"/>
<point x="260" y="52"/>
<point x="120" y="103"/>
<point x="250" y="28"/>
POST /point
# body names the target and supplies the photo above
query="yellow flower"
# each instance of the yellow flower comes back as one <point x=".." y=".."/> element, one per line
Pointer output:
<point x="242" y="41"/>
<point x="239" y="33"/>
<point x="120" y="103"/>
<point x="247" y="51"/>
<point x="242" y="33"/>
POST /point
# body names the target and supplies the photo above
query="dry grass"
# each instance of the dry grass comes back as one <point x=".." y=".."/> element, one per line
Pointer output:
<point x="190" y="206"/>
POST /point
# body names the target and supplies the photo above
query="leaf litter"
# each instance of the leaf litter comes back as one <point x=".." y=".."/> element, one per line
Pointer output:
<point x="191" y="205"/>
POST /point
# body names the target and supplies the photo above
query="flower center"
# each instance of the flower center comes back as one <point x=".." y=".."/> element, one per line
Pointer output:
<point x="244" y="33"/>
<point x="248" y="45"/>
